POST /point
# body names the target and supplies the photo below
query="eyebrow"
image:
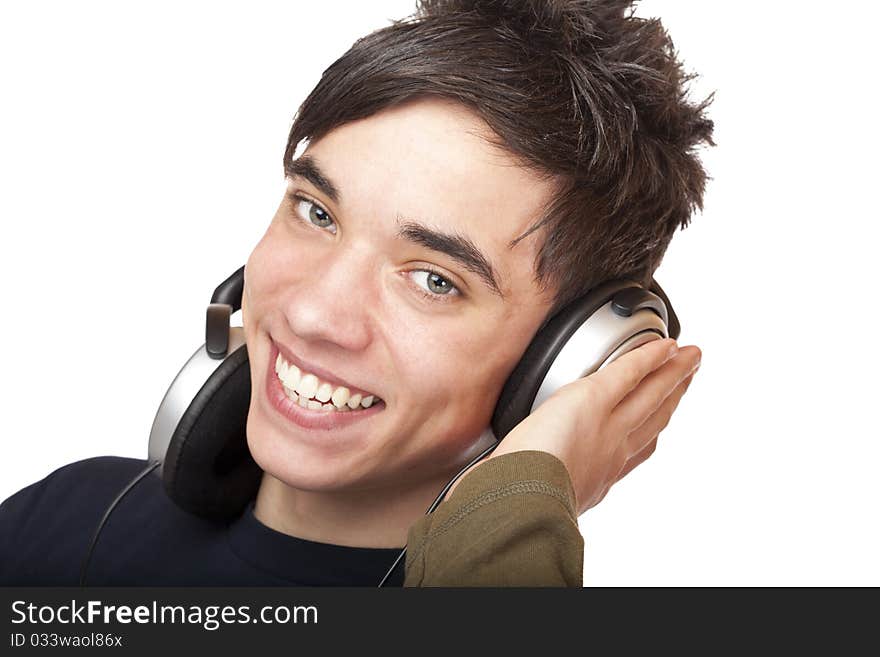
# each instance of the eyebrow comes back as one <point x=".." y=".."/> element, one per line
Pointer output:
<point x="458" y="247"/>
<point x="306" y="167"/>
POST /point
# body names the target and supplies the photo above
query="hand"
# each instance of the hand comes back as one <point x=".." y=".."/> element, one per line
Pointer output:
<point x="604" y="425"/>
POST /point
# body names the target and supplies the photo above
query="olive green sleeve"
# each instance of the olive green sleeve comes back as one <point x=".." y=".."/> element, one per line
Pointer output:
<point x="511" y="521"/>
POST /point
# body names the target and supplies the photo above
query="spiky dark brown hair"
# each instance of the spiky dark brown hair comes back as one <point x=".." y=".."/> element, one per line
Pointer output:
<point x="581" y="91"/>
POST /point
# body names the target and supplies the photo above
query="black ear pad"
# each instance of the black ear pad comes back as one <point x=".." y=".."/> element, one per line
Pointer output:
<point x="208" y="469"/>
<point x="520" y="389"/>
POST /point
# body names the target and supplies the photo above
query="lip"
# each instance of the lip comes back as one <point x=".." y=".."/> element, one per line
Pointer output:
<point x="307" y="418"/>
<point x="321" y="373"/>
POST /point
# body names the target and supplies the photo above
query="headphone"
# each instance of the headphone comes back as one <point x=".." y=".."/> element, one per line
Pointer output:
<point x="198" y="444"/>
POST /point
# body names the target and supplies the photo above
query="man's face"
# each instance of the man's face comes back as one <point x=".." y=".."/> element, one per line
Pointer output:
<point x="346" y="285"/>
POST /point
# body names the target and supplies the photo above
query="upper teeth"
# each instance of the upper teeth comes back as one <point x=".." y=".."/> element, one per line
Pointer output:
<point x="307" y="385"/>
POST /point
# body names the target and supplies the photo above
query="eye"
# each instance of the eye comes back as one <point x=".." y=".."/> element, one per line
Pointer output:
<point x="314" y="213"/>
<point x="433" y="286"/>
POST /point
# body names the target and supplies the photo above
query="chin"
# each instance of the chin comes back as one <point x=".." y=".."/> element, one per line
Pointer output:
<point x="299" y="473"/>
<point x="297" y="464"/>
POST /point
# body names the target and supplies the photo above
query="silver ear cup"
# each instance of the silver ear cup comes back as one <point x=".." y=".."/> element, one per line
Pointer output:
<point x="603" y="337"/>
<point x="183" y="390"/>
<point x="630" y="344"/>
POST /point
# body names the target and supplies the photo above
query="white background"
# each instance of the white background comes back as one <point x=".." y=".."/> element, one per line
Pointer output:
<point x="140" y="162"/>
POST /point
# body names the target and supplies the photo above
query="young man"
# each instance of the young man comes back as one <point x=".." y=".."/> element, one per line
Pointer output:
<point x="465" y="174"/>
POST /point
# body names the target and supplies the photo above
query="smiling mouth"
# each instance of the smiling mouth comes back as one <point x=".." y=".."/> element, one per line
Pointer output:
<point x="311" y="392"/>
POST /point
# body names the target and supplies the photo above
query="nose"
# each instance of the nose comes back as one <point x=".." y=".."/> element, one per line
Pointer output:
<point x="332" y="301"/>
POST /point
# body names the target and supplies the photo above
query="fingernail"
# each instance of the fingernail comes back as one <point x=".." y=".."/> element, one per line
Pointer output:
<point x="673" y="349"/>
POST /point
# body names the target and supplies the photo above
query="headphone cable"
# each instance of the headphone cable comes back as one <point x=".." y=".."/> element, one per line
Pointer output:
<point x="131" y="484"/>
<point x="153" y="466"/>
<point x="436" y="503"/>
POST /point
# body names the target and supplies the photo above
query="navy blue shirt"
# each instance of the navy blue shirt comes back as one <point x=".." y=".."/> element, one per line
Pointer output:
<point x="46" y="528"/>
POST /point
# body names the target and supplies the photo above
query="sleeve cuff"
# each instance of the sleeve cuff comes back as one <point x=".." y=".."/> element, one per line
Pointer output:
<point x="525" y="471"/>
<point x="511" y="521"/>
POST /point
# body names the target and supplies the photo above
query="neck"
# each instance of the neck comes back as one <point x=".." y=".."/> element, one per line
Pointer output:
<point x="379" y="518"/>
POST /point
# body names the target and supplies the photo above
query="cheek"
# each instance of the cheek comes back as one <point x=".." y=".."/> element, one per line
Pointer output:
<point x="453" y="369"/>
<point x="273" y="267"/>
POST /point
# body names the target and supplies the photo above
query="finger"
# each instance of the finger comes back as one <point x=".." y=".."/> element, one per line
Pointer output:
<point x="658" y="420"/>
<point x="638" y="458"/>
<point x="616" y="379"/>
<point x="644" y="400"/>
<point x="644" y="439"/>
